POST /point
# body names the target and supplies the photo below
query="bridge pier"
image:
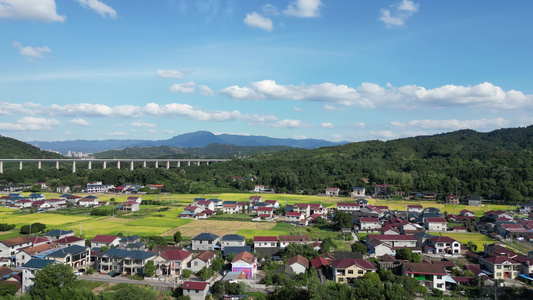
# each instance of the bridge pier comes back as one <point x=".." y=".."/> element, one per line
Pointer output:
<point x="90" y="165"/>
<point x="156" y="164"/>
<point x="144" y="164"/>
<point x="118" y="164"/>
<point x="179" y="164"/>
<point x="105" y="165"/>
<point x="1" y="167"/>
<point x="208" y="163"/>
<point x="39" y="165"/>
<point x="168" y="164"/>
<point x="57" y="165"/>
<point x="131" y="166"/>
<point x="188" y="163"/>
<point x="198" y="163"/>
<point x="74" y="166"/>
<point x="20" y="165"/>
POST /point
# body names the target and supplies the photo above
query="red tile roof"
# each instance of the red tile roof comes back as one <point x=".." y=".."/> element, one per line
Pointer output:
<point x="419" y="268"/>
<point x="346" y="263"/>
<point x="442" y="239"/>
<point x="265" y="238"/>
<point x="319" y="262"/>
<point x="369" y="220"/>
<point x="293" y="214"/>
<point x="195" y="285"/>
<point x="176" y="254"/>
<point x="104" y="238"/>
<point x="436" y="220"/>
<point x="246" y="256"/>
<point x="206" y="255"/>
<point x="391" y="237"/>
<point x="16" y="241"/>
<point x="298" y="259"/>
<point x="69" y="239"/>
<point x="498" y="260"/>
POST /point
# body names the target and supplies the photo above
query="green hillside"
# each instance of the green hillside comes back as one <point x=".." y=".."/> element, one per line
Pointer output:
<point x="211" y="150"/>
<point x="12" y="148"/>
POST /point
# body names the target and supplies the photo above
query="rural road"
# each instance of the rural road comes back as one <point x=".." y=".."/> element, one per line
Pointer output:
<point x="109" y="279"/>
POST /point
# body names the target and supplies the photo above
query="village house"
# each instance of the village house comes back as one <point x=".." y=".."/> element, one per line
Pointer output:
<point x="415" y="208"/>
<point x="195" y="290"/>
<point x="265" y="241"/>
<point x="172" y="262"/>
<point x="123" y="261"/>
<point x="285" y="240"/>
<point x="494" y="215"/>
<point x="381" y="189"/>
<point x="206" y="204"/>
<point x="452" y="199"/>
<point x="29" y="270"/>
<point x="378" y="248"/>
<point x="500" y="266"/>
<point x="56" y="203"/>
<point x="245" y="262"/>
<point x="298" y="264"/>
<point x="231" y="209"/>
<point x="105" y="240"/>
<point x="435" y="224"/>
<point x="62" y="189"/>
<point x="273" y="203"/>
<point x="135" y="198"/>
<point x="294" y="217"/>
<point x="232" y="240"/>
<point x="432" y="276"/>
<point x="74" y="256"/>
<point x="303" y="208"/>
<point x="204" y="241"/>
<point x="57" y="234"/>
<point x="395" y="241"/>
<point x="10" y="247"/>
<point x="332" y="191"/>
<point x="346" y="270"/>
<point x="265" y="212"/>
<point x="38" y="240"/>
<point x="70" y="241"/>
<point x="358" y="192"/>
<point x="259" y="188"/>
<point x="348" y="207"/>
<point x="131" y="206"/>
<point x="204" y="259"/>
<point x="369" y="224"/>
<point x="36" y="197"/>
<point x="255" y="199"/>
<point x="24" y="255"/>
<point x="444" y="244"/>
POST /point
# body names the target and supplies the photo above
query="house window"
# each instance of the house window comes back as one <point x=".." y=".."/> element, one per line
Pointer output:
<point x="350" y="271"/>
<point x="360" y="272"/>
<point x="499" y="267"/>
<point x="439" y="285"/>
<point x="439" y="276"/>
<point x="197" y="291"/>
<point x="195" y="263"/>
<point x="341" y="279"/>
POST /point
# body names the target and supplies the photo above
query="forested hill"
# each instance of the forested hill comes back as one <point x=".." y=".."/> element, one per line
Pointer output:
<point x="494" y="163"/>
<point x="12" y="148"/>
<point x="209" y="151"/>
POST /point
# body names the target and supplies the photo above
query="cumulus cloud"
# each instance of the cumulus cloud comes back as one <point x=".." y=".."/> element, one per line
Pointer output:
<point x="304" y="8"/>
<point x="204" y="90"/>
<point x="99" y="7"/>
<point x="327" y="125"/>
<point x="270" y="10"/>
<point x="114" y="133"/>
<point x="80" y="122"/>
<point x="357" y="125"/>
<point x="30" y="10"/>
<point x="298" y="109"/>
<point x="143" y="124"/>
<point x="174" y="74"/>
<point x="288" y="123"/>
<point x="186" y="88"/>
<point x="328" y="107"/>
<point x="400" y="13"/>
<point x="167" y="131"/>
<point x="371" y="95"/>
<point x="31" y="52"/>
<point x="31" y="123"/>
<point x="258" y="21"/>
<point x="454" y="124"/>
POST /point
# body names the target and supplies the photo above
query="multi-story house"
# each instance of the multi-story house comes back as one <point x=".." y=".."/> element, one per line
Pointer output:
<point x="75" y="256"/>
<point x="245" y="262"/>
<point x="298" y="264"/>
<point x="30" y="268"/>
<point x="232" y="240"/>
<point x="501" y="266"/>
<point x="303" y="208"/>
<point x="444" y="244"/>
<point x="358" y="192"/>
<point x="395" y="241"/>
<point x="285" y="240"/>
<point x="332" y="191"/>
<point x="435" y="224"/>
<point x="172" y="262"/>
<point x="369" y="223"/>
<point x="415" y="208"/>
<point x="24" y="255"/>
<point x="105" y="240"/>
<point x="432" y="276"/>
<point x="196" y="290"/>
<point x="294" y="217"/>
<point x="10" y="247"/>
<point x="204" y="241"/>
<point x="255" y="199"/>
<point x="204" y="259"/>
<point x="231" y="209"/>
<point x="348" y="207"/>
<point x="69" y="241"/>
<point x="452" y="199"/>
<point x="58" y="234"/>
<point x="265" y="242"/>
<point x="123" y="261"/>
<point x="346" y="270"/>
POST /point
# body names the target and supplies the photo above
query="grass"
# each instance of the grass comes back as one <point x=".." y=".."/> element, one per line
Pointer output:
<point x="477" y="238"/>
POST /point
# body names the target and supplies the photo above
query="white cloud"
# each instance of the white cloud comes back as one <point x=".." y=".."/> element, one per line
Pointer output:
<point x="304" y="8"/>
<point x="186" y="88"/>
<point x="384" y="134"/>
<point x="357" y="125"/>
<point x="258" y="21"/>
<point x="143" y="124"/>
<point x="298" y="109"/>
<point x="80" y="122"/>
<point x="337" y="137"/>
<point x="327" y="125"/>
<point x="400" y="13"/>
<point x="33" y="52"/>
<point x="172" y="74"/>
<point x="114" y="133"/>
<point x="371" y="95"/>
<point x="31" y="123"/>
<point x="288" y="123"/>
<point x="99" y="7"/>
<point x="454" y="124"/>
<point x="31" y="10"/>
<point x="204" y="90"/>
<point x="167" y="131"/>
<point x="270" y="10"/>
<point x="299" y="137"/>
<point x="328" y="107"/>
<point x="69" y="132"/>
<point x="152" y="131"/>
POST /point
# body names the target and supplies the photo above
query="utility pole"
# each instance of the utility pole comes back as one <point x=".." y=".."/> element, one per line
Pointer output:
<point x="80" y="228"/>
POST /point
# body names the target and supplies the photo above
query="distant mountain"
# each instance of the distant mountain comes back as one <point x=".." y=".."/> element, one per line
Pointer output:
<point x="193" y="139"/>
<point x="12" y="148"/>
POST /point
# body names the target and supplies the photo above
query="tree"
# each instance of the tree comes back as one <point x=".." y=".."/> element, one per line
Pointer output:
<point x="304" y="250"/>
<point x="342" y="220"/>
<point x="471" y="246"/>
<point x="34" y="228"/>
<point x="394" y="291"/>
<point x="359" y="247"/>
<point x="186" y="273"/>
<point x="327" y="244"/>
<point x="149" y="269"/>
<point x="51" y="279"/>
<point x="177" y="237"/>
<point x="407" y="254"/>
<point x="205" y="273"/>
<point x="217" y="265"/>
<point x="8" y="289"/>
<point x="133" y="292"/>
<point x="438" y="293"/>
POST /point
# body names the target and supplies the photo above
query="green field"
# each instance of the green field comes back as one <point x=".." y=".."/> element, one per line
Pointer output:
<point x="477" y="238"/>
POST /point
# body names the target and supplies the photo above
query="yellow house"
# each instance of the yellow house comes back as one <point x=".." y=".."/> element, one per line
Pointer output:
<point x="346" y="270"/>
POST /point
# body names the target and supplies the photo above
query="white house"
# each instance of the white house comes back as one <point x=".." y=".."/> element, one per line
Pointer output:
<point x="358" y="192"/>
<point x="444" y="244"/>
<point x="299" y="264"/>
<point x="105" y="240"/>
<point x="196" y="290"/>
<point x="415" y="208"/>
<point x="369" y="223"/>
<point x="343" y="206"/>
<point x="294" y="217"/>
<point x="429" y="275"/>
<point x="204" y="259"/>
<point x="204" y="241"/>
<point x="332" y="191"/>
<point x="435" y="224"/>
<point x="10" y="247"/>
<point x="265" y="241"/>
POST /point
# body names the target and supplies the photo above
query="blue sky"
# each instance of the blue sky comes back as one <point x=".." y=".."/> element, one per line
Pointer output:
<point x="334" y="70"/>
